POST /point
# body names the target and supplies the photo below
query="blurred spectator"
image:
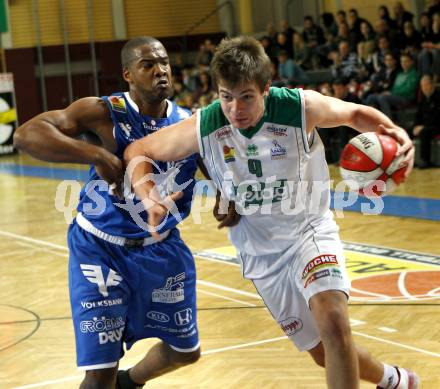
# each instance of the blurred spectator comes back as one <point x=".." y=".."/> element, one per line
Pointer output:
<point x="354" y="23"/>
<point x="284" y="45"/>
<point x="289" y="73"/>
<point x="410" y="39"/>
<point x="269" y="48"/>
<point x="329" y="26"/>
<point x="335" y="139"/>
<point x="385" y="15"/>
<point x="341" y="17"/>
<point x="427" y="119"/>
<point x="429" y="57"/>
<point x="287" y="30"/>
<point x="302" y="54"/>
<point x="367" y="43"/>
<point x="433" y="8"/>
<point x="378" y="57"/>
<point x="403" y="91"/>
<point x="204" y="88"/>
<point x="205" y="54"/>
<point x="382" y="80"/>
<point x="425" y="27"/>
<point x="271" y="32"/>
<point x="382" y="29"/>
<point x="313" y="35"/>
<point x="345" y="63"/>
<point x="180" y="91"/>
<point x="401" y="15"/>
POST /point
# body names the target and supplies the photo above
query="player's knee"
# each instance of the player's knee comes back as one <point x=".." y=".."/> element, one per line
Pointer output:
<point x="183" y="359"/>
<point x="99" y="379"/>
<point x="336" y="327"/>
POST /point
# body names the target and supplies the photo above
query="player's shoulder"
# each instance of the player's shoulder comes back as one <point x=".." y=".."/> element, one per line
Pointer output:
<point x="285" y="106"/>
<point x="212" y="118"/>
<point x="284" y="94"/>
<point x="178" y="113"/>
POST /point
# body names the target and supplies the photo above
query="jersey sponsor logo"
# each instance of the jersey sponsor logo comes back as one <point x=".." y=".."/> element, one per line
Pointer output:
<point x="152" y="126"/>
<point x="291" y="325"/>
<point x="252" y="150"/>
<point x="183" y="332"/>
<point x="319" y="262"/>
<point x="183" y="317"/>
<point x="260" y="193"/>
<point x="102" y="303"/>
<point x="316" y="276"/>
<point x="223" y="133"/>
<point x="118" y="104"/>
<point x="102" y="324"/>
<point x="126" y="129"/>
<point x="276" y="130"/>
<point x="95" y="275"/>
<point x="172" y="292"/>
<point x="229" y="154"/>
<point x="278" y="151"/>
<point x="158" y="316"/>
<point x="111" y="336"/>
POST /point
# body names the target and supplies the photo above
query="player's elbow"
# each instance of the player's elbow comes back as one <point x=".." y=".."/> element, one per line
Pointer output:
<point x="21" y="137"/>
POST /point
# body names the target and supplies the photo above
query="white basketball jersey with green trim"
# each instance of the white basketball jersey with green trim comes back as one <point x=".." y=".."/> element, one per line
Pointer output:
<point x="275" y="173"/>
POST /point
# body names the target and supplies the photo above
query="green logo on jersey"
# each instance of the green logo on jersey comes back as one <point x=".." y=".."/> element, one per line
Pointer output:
<point x="252" y="150"/>
<point x="260" y="193"/>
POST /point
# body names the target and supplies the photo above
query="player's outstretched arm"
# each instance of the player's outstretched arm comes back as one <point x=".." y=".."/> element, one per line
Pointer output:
<point x="50" y="136"/>
<point x="324" y="111"/>
<point x="171" y="143"/>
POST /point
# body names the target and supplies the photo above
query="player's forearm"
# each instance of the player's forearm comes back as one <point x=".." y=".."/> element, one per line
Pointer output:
<point x="43" y="141"/>
<point x="367" y="119"/>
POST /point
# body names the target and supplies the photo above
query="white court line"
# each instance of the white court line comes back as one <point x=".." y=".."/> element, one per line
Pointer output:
<point x="420" y="350"/>
<point x="387" y="329"/>
<point x="402" y="288"/>
<point x="207" y="283"/>
<point x="225" y="297"/>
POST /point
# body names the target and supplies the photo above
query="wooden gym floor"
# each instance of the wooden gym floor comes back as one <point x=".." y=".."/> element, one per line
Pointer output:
<point x="394" y="262"/>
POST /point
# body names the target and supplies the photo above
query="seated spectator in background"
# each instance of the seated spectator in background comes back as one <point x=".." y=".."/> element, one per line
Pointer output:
<point x="434" y="7"/>
<point x="385" y="15"/>
<point x="283" y="45"/>
<point x="302" y="55"/>
<point x="401" y="15"/>
<point x="205" y="54"/>
<point x="367" y="43"/>
<point x="354" y="23"/>
<point x="382" y="80"/>
<point x="345" y="63"/>
<point x="409" y="39"/>
<point x="271" y="32"/>
<point x="382" y="29"/>
<point x="378" y="57"/>
<point x="269" y="48"/>
<point x="289" y="73"/>
<point x="287" y="30"/>
<point x="429" y="57"/>
<point x="425" y="27"/>
<point x="329" y="26"/>
<point x="403" y="91"/>
<point x="204" y="88"/>
<point x="335" y="139"/>
<point x="427" y="119"/>
<point x="341" y="17"/>
<point x="313" y="35"/>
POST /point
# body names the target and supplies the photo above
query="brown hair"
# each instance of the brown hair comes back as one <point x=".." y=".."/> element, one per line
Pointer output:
<point x="240" y="60"/>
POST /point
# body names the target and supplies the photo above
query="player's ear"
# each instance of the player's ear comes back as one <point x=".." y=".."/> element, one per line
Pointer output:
<point x="266" y="88"/>
<point x="126" y="74"/>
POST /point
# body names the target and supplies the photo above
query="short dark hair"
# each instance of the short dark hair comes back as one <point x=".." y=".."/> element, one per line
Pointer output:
<point x="240" y="60"/>
<point x="128" y="51"/>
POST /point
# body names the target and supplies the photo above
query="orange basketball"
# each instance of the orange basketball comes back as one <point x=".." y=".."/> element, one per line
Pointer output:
<point x="369" y="164"/>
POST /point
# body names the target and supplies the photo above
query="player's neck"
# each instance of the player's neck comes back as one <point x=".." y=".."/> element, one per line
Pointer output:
<point x="154" y="108"/>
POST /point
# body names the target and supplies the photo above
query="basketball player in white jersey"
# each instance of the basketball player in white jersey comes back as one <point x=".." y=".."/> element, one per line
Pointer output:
<point x="262" y="150"/>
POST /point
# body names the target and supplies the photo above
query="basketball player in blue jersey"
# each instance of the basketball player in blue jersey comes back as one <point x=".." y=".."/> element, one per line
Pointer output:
<point x="124" y="285"/>
<point x="262" y="149"/>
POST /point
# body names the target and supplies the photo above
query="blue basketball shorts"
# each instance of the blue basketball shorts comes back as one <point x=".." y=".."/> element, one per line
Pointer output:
<point x="123" y="294"/>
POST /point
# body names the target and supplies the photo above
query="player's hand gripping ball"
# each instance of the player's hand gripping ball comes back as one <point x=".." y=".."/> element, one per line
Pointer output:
<point x="369" y="165"/>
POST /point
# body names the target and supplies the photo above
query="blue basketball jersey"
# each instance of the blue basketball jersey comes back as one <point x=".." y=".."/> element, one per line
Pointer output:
<point x="114" y="216"/>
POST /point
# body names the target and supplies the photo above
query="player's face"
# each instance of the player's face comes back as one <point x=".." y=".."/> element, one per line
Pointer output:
<point x="150" y="73"/>
<point x="243" y="105"/>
